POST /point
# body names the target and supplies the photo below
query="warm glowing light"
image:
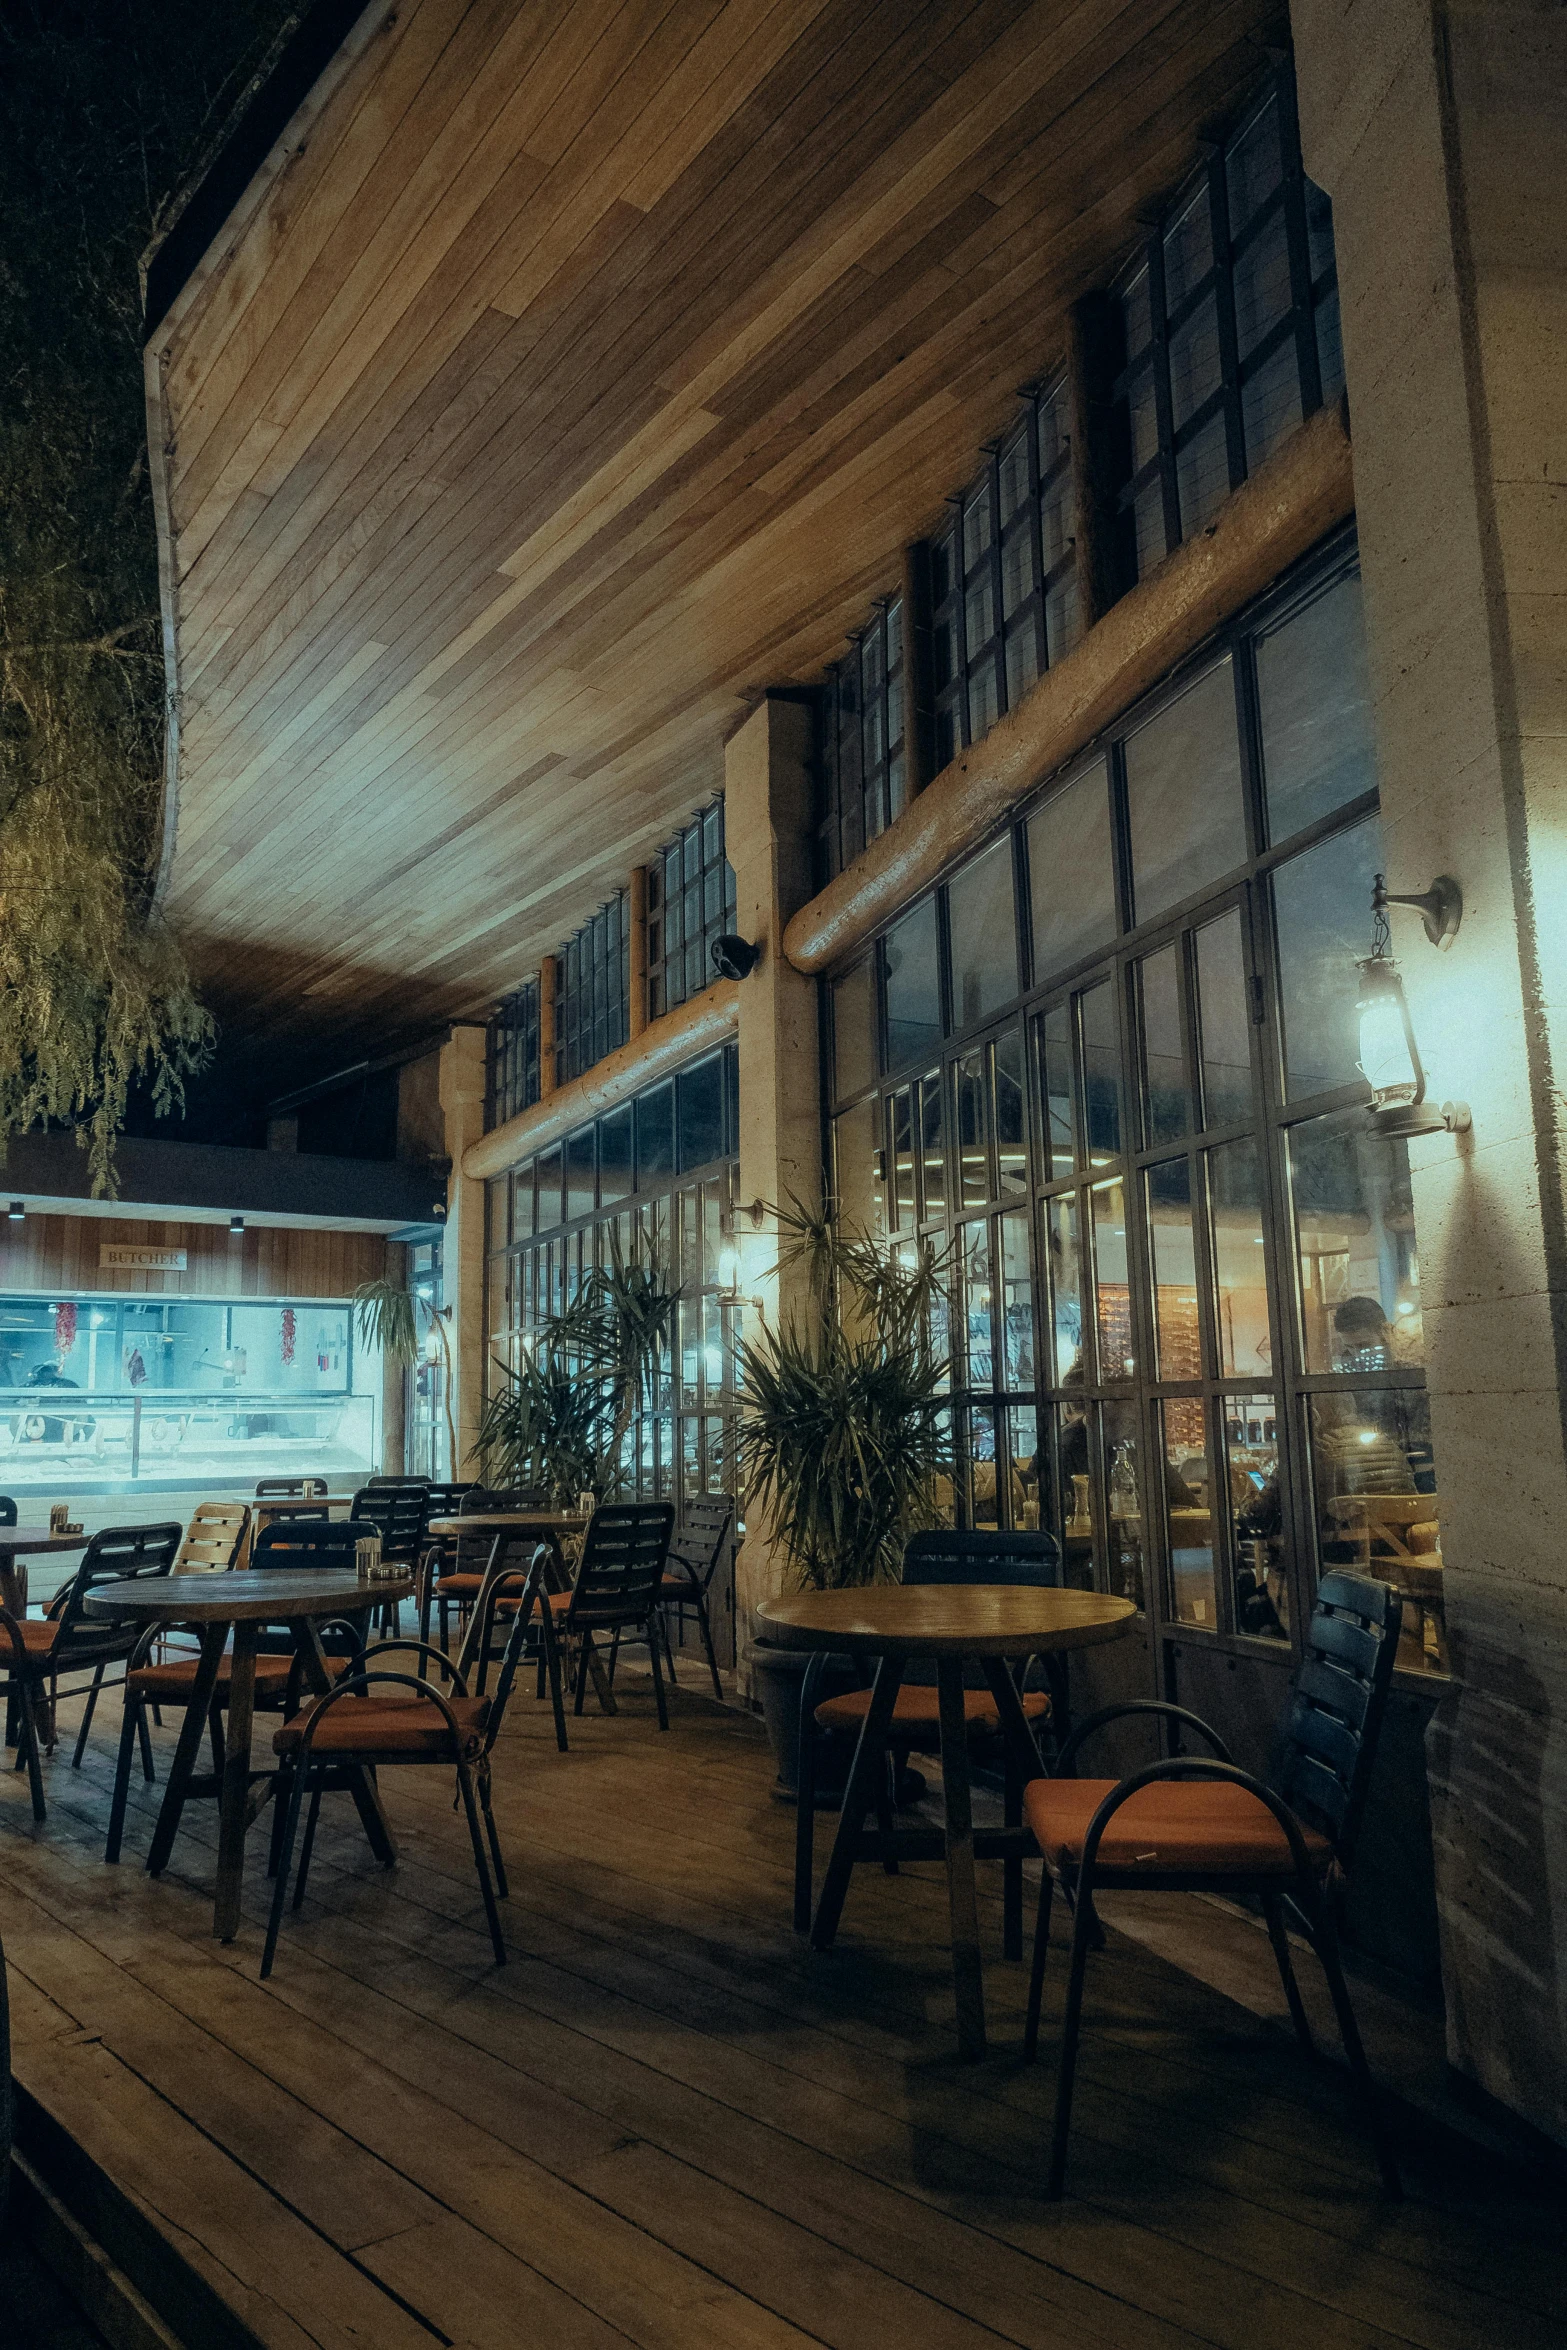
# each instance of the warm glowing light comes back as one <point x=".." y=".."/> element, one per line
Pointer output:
<point x="1387" y="1055"/>
<point x="729" y="1267"/>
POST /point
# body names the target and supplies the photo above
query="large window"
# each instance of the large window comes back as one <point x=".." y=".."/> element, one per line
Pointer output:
<point x="1229" y="331"/>
<point x="1109" y="1070"/>
<point x="865" y="753"/>
<point x="658" y="1170"/>
<point x="592" y="990"/>
<point x="690" y="903"/>
<point x="512" y="1056"/>
<point x="97" y="1393"/>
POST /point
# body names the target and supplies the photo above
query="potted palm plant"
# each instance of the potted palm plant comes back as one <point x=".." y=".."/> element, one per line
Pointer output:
<point x="411" y="1329"/>
<point x="563" y="1419"/>
<point x="843" y="1431"/>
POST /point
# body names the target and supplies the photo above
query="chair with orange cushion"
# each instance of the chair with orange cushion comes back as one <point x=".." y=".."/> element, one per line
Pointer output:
<point x="945" y="1554"/>
<point x="1198" y="1824"/>
<point x="452" y="1572"/>
<point x="694" y="1553"/>
<point x="625" y="1552"/>
<point x="363" y="1725"/>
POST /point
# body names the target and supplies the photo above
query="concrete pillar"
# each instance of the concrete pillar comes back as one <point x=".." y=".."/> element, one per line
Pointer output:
<point x="768" y="830"/>
<point x="462" y="1107"/>
<point x="1440" y="132"/>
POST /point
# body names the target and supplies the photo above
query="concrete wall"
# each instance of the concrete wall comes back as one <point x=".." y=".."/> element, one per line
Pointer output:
<point x="1441" y="135"/>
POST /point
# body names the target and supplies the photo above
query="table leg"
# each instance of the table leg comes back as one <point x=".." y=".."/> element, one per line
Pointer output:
<point x="234" y="1808"/>
<point x="474" y="1633"/>
<point x="214" y="1639"/>
<point x="962" y="1901"/>
<point x="13" y="1587"/>
<point x="869" y="1758"/>
<point x="1021" y="1743"/>
<point x="361" y="1783"/>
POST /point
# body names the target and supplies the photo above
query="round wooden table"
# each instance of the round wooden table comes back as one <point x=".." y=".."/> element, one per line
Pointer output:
<point x="240" y="1603"/>
<point x="953" y="1624"/>
<point x="551" y="1527"/>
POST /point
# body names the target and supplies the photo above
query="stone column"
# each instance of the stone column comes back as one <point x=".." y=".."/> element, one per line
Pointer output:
<point x="462" y="1107"/>
<point x="1440" y="132"/>
<point x="768" y="831"/>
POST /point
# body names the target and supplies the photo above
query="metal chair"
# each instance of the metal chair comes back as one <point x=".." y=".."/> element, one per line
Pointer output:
<point x="459" y="1583"/>
<point x="944" y="1554"/>
<point x="617" y="1588"/>
<point x="395" y="1507"/>
<point x="37" y="1651"/>
<point x="362" y="1726"/>
<point x="290" y="1489"/>
<point x="694" y="1553"/>
<point x="1198" y="1824"/>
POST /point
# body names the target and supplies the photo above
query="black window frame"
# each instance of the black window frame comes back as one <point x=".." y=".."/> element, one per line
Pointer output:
<point x="690" y="904"/>
<point x="593" y="989"/>
<point x="511" y="1056"/>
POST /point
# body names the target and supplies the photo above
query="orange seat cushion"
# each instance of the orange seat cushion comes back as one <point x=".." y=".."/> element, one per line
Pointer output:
<point x="1199" y="1826"/>
<point x="677" y="1587"/>
<point x="39" y="1634"/>
<point x="171" y="1683"/>
<point x="462" y="1586"/>
<point x="915" y="1711"/>
<point x="411" y="1728"/>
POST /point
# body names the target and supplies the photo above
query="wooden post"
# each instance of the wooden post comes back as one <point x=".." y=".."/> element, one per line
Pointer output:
<point x="547" y="971"/>
<point x="636" y="906"/>
<point x="1090" y="377"/>
<point x="919" y="707"/>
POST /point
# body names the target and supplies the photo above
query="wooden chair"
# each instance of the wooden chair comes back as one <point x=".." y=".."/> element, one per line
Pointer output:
<point x="945" y="1554"/>
<point x="214" y="1539"/>
<point x="1198" y="1824"/>
<point x="617" y="1589"/>
<point x="694" y="1554"/>
<point x="353" y="1729"/>
<point x="37" y="1651"/>
<point x="154" y="1679"/>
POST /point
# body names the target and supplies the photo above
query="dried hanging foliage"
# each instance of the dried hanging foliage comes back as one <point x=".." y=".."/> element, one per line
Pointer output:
<point x="104" y="104"/>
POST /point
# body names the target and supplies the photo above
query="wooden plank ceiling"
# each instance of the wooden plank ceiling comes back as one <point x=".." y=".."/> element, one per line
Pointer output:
<point x="579" y="375"/>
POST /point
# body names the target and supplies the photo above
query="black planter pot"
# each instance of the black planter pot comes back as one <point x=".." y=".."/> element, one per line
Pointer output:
<point x="779" y="1673"/>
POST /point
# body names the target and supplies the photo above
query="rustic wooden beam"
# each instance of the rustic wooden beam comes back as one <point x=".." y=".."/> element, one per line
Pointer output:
<point x="707" y="1019"/>
<point x="1291" y="502"/>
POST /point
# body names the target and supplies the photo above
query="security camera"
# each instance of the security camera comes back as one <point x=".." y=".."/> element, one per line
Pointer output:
<point x="734" y="958"/>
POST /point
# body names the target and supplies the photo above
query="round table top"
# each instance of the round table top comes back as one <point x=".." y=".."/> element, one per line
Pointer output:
<point x="248" y="1595"/>
<point x="947" y="1619"/>
<point x="35" y="1539"/>
<point x="501" y="1521"/>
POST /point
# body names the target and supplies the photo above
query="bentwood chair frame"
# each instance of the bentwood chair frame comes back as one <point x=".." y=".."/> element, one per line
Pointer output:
<point x="943" y="1554"/>
<point x="466" y="1748"/>
<point x="1323" y="1772"/>
<point x="697" y="1546"/>
<point x="37" y="1652"/>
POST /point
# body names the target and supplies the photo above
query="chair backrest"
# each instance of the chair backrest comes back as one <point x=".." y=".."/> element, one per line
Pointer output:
<point x="698" y="1541"/>
<point x="956" y="1554"/>
<point x="1335" y="1718"/>
<point x="214" y="1537"/>
<point x="397" y="1513"/>
<point x="480" y="1498"/>
<point x="290" y="1489"/>
<point x="114" y="1554"/>
<point x="310" y="1542"/>
<point x="7" y="1510"/>
<point x="375" y="1483"/>
<point x="624" y="1553"/>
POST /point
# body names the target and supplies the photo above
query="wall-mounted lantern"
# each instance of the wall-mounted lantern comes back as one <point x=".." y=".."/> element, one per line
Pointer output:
<point x="1389" y="1055"/>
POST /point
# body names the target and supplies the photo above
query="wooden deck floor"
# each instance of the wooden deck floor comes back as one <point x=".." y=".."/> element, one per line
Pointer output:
<point x="666" y="2124"/>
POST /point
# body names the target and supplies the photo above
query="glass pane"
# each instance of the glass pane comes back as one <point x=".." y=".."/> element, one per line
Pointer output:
<point x="982" y="922"/>
<point x="1022" y="659"/>
<point x="982" y="1466"/>
<point x="1173" y="1245"/>
<point x="984" y="699"/>
<point x="1136" y="315"/>
<point x="933" y="1152"/>
<point x="1202" y="476"/>
<point x="1330" y="347"/>
<point x="1066" y="1289"/>
<point x="1262" y="286"/>
<point x="1053" y="1045"/>
<point x="579" y="1173"/>
<point x="1071" y="873"/>
<point x="1322" y="913"/>
<point x="1270" y="403"/>
<point x="1194" y="361"/>
<point x="1188" y="248"/>
<point x="913" y="987"/>
<point x="522" y="1204"/>
<point x="1011" y="1143"/>
<point x="1112" y="1296"/>
<point x="1017" y="1303"/>
<point x="1252" y="168"/>
<point x="1124" y="1497"/>
<point x="904" y="1209"/>
<point x="1355" y="1248"/>
<point x="700" y="1100"/>
<point x="858" y="1182"/>
<point x="1022" y="1432"/>
<point x="1079" y="1503"/>
<point x="1063" y="614"/>
<point x="549" y="1166"/>
<point x="1166" y="1095"/>
<point x="1188" y="1520"/>
<point x="1101" y="1075"/>
<point x="1239" y="1259"/>
<point x="1315" y="703"/>
<point x="1183" y="785"/>
<point x="615" y="1154"/>
<point x="655" y="1134"/>
<point x="1377" y="1506"/>
<point x="1251" y="1452"/>
<point x="977" y="1304"/>
<point x="1224" y="1017"/>
<point x="1149" y="528"/>
<point x="973" y="1153"/>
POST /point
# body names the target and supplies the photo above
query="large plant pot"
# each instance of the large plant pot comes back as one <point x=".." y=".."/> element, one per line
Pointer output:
<point x="779" y="1673"/>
